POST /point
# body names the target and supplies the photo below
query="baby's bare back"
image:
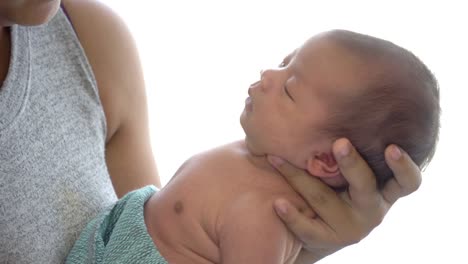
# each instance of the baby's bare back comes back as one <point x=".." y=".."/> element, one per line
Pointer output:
<point x="187" y="217"/>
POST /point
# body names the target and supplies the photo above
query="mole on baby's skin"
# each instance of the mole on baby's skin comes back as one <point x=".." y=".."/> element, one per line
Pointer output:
<point x="178" y="207"/>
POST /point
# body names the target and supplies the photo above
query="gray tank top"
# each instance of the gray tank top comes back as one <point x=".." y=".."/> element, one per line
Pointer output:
<point x="53" y="175"/>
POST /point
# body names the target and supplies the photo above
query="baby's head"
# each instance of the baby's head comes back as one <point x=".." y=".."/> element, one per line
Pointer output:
<point x="344" y="84"/>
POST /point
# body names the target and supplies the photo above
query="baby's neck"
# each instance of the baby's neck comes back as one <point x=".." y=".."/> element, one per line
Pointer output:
<point x="258" y="160"/>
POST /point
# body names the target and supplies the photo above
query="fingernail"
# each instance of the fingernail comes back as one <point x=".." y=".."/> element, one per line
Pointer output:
<point x="281" y="207"/>
<point x="395" y="153"/>
<point x="344" y="150"/>
<point x="276" y="161"/>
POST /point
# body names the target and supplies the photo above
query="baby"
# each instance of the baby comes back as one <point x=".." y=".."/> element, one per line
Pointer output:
<point x="337" y="84"/>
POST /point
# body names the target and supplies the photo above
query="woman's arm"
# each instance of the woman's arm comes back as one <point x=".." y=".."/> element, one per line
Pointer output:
<point x="343" y="218"/>
<point x="113" y="56"/>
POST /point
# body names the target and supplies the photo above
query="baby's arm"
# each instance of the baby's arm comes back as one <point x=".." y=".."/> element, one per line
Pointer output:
<point x="251" y="233"/>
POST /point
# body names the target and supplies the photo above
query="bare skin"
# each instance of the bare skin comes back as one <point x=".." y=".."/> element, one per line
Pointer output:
<point x="205" y="214"/>
<point x="107" y="41"/>
<point x="131" y="163"/>
<point x="190" y="223"/>
<point x="347" y="218"/>
<point x="231" y="221"/>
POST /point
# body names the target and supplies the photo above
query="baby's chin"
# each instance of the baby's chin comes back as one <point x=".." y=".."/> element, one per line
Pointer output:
<point x="253" y="149"/>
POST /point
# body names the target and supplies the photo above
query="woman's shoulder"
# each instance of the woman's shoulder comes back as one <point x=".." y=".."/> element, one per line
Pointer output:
<point x="106" y="40"/>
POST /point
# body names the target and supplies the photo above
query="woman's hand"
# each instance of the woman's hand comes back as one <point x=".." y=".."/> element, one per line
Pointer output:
<point x="347" y="217"/>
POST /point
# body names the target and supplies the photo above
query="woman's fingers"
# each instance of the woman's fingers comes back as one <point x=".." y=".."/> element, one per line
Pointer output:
<point x="321" y="198"/>
<point x="362" y="191"/>
<point x="347" y="217"/>
<point x="311" y="231"/>
<point x="407" y="175"/>
<point x="354" y="168"/>
<point x="367" y="207"/>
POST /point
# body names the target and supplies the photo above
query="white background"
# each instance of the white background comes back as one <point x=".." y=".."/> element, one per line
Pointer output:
<point x="200" y="56"/>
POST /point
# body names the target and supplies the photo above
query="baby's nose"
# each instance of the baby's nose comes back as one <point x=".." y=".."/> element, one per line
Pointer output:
<point x="254" y="86"/>
<point x="266" y="79"/>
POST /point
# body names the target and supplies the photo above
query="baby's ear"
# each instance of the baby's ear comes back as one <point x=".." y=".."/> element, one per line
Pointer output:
<point x="323" y="165"/>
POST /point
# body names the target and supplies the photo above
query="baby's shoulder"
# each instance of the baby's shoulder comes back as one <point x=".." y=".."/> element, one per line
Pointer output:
<point x="236" y="149"/>
<point x="232" y="156"/>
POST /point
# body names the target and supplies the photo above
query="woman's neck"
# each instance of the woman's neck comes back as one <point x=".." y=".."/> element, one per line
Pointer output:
<point x="5" y="51"/>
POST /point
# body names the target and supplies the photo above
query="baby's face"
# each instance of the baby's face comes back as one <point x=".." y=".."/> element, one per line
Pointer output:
<point x="288" y="105"/>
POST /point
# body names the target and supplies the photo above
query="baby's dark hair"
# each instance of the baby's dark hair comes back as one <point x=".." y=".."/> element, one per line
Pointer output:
<point x="398" y="105"/>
